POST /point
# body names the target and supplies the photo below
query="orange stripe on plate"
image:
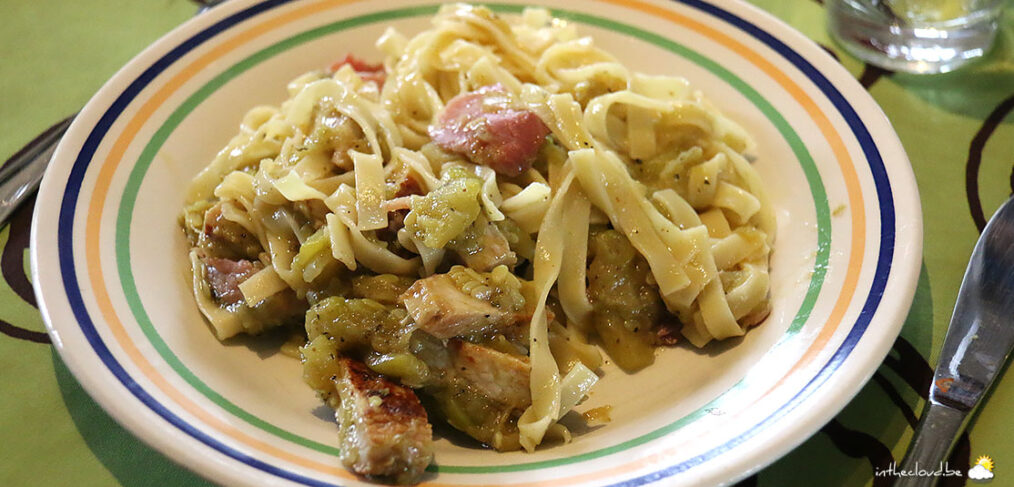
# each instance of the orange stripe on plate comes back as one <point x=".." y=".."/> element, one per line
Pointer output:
<point x="134" y="125"/>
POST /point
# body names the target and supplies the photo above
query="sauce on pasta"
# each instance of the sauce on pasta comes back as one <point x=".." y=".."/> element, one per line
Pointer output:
<point x="472" y="221"/>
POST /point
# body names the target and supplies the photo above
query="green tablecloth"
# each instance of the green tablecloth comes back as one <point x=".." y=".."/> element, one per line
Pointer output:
<point x="958" y="130"/>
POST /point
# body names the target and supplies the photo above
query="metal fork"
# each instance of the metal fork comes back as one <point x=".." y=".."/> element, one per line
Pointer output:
<point x="21" y="175"/>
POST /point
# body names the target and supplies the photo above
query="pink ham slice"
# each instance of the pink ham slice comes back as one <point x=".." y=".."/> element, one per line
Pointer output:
<point x="482" y="126"/>
<point x="225" y="276"/>
<point x="365" y="70"/>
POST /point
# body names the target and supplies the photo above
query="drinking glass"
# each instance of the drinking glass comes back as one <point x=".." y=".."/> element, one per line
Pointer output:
<point x="915" y="36"/>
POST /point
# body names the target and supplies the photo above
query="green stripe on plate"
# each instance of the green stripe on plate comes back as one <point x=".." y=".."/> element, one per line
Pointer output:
<point x="137" y="175"/>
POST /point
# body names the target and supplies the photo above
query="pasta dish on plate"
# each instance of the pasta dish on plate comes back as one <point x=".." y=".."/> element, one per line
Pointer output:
<point x="455" y="233"/>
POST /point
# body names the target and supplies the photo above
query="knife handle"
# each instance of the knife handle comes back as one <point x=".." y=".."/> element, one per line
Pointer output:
<point x="934" y="437"/>
<point x="21" y="174"/>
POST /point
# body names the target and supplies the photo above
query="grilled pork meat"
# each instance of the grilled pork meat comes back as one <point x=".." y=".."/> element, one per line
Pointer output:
<point x="443" y="310"/>
<point x="382" y="427"/>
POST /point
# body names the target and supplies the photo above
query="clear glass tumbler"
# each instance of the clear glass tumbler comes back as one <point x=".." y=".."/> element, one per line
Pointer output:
<point x="915" y="36"/>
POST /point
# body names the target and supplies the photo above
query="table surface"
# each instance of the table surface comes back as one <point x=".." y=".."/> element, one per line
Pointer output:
<point x="958" y="130"/>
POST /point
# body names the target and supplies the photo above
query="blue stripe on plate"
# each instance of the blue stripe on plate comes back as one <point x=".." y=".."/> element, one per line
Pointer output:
<point x="69" y="275"/>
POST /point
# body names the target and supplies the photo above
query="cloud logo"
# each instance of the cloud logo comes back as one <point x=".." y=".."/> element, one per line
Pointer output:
<point x="979" y="472"/>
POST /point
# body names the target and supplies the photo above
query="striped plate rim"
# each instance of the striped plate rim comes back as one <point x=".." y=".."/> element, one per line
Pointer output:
<point x="84" y="158"/>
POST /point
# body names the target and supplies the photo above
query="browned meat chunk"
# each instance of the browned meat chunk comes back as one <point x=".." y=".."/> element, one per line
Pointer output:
<point x="383" y="428"/>
<point x="484" y="127"/>
<point x="668" y="333"/>
<point x="444" y="311"/>
<point x="225" y="276"/>
<point x="395" y="222"/>
<point x="500" y="376"/>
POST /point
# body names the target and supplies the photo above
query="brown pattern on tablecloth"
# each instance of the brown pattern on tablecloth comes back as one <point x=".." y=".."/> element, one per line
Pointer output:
<point x="910" y="366"/>
<point x="830" y="51"/>
<point x="974" y="161"/>
<point x="12" y="267"/>
<point x="872" y="74"/>
<point x="1012" y="178"/>
<point x="751" y="481"/>
<point x="23" y="334"/>
<point x="858" y="444"/>
<point x="12" y="259"/>
<point x="892" y="394"/>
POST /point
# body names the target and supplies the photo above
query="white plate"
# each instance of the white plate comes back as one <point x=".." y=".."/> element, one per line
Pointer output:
<point x="110" y="265"/>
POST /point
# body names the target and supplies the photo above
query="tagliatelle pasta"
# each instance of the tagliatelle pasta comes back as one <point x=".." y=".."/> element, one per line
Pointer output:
<point x="464" y="221"/>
